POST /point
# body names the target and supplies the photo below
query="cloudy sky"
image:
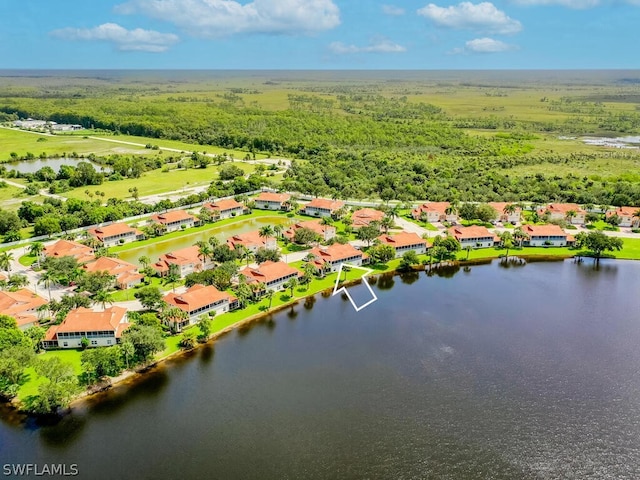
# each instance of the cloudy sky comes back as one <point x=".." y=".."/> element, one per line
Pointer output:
<point x="319" y="34"/>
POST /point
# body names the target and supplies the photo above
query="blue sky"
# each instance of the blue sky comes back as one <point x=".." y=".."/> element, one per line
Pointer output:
<point x="319" y="34"/>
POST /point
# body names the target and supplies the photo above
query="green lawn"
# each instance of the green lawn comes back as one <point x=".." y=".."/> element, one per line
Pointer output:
<point x="128" y="294"/>
<point x="156" y="182"/>
<point x="27" y="260"/>
<point x="30" y="387"/>
<point x="191" y="231"/>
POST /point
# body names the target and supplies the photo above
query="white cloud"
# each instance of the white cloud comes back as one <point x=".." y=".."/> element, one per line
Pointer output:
<point x="575" y="4"/>
<point x="378" y="46"/>
<point x="219" y="18"/>
<point x="484" y="45"/>
<point x="123" y="39"/>
<point x="481" y="17"/>
<point x="392" y="10"/>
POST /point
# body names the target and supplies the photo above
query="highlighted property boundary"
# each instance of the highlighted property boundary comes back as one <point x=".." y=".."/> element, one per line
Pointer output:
<point x="337" y="290"/>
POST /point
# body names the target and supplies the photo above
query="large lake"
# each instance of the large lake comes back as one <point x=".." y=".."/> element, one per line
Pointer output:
<point x="501" y="373"/>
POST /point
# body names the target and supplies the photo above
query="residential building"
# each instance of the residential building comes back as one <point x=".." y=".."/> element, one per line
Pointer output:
<point x="546" y="235"/>
<point x="65" y="127"/>
<point x="199" y="300"/>
<point x="433" y="212"/>
<point x="403" y="242"/>
<point x="322" y="207"/>
<point x="68" y="248"/>
<point x="331" y="257"/>
<point x="326" y="232"/>
<point x="22" y="305"/>
<point x="252" y="241"/>
<point x="561" y="211"/>
<point x="126" y="274"/>
<point x="272" y="201"/>
<point x="174" y="220"/>
<point x="225" y="208"/>
<point x="102" y="329"/>
<point x="115" y="234"/>
<point x="504" y="215"/>
<point x="187" y="259"/>
<point x="364" y="216"/>
<point x="273" y="274"/>
<point x="627" y="215"/>
<point x="475" y="236"/>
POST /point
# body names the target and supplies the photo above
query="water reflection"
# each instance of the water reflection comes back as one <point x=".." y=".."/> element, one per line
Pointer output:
<point x="292" y="313"/>
<point x="207" y="353"/>
<point x="309" y="302"/>
<point x="63" y="432"/>
<point x="386" y="281"/>
<point x="409" y="278"/>
<point x="512" y="262"/>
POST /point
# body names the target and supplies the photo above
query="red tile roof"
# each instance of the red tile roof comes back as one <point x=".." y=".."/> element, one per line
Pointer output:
<point x="500" y="206"/>
<point x="543" y="230"/>
<point x="273" y="197"/>
<point x="17" y="304"/>
<point x="402" y="239"/>
<point x="223" y="205"/>
<point x="474" y="231"/>
<point x="365" y="216"/>
<point x="121" y="269"/>
<point x="435" y="207"/>
<point x="172" y="216"/>
<point x="561" y="208"/>
<point x="183" y="256"/>
<point x="86" y="320"/>
<point x="196" y="297"/>
<point x="331" y="205"/>
<point x="269" y="271"/>
<point x="624" y="211"/>
<point x="336" y="252"/>
<point x="249" y="239"/>
<point x="314" y="225"/>
<point x="67" y="248"/>
<point x="112" y="230"/>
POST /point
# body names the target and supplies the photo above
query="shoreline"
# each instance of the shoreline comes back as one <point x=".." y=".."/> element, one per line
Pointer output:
<point x="130" y="376"/>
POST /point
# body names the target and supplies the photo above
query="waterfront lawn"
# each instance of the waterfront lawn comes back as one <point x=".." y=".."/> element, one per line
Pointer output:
<point x="128" y="294"/>
<point x="194" y="230"/>
<point x="30" y="387"/>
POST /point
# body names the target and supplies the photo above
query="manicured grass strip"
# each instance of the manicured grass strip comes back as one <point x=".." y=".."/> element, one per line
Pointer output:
<point x="27" y="260"/>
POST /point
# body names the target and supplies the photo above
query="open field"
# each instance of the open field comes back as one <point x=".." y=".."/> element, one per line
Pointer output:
<point x="156" y="182"/>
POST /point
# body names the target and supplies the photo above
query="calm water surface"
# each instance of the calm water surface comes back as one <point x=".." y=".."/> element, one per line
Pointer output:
<point x="503" y="373"/>
<point x="32" y="166"/>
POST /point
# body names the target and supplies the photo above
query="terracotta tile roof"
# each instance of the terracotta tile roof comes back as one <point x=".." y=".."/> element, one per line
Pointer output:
<point x="249" y="239"/>
<point x="402" y="239"/>
<point x="273" y="197"/>
<point x="336" y="252"/>
<point x="435" y="207"/>
<point x="269" y="271"/>
<point x="17" y="304"/>
<point x="196" y="297"/>
<point x="183" y="256"/>
<point x="66" y="248"/>
<point x="500" y="206"/>
<point x="543" y="230"/>
<point x="114" y="266"/>
<point x="172" y="216"/>
<point x="314" y="225"/>
<point x="365" y="216"/>
<point x="561" y="208"/>
<point x="223" y="205"/>
<point x="474" y="231"/>
<point x="86" y="320"/>
<point x="331" y="205"/>
<point x="623" y="211"/>
<point x="112" y="230"/>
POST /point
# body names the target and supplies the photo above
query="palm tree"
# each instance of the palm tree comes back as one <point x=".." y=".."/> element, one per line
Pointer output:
<point x="173" y="275"/>
<point x="266" y="231"/>
<point x="394" y="212"/>
<point x="36" y="249"/>
<point x="204" y="251"/>
<point x="387" y="223"/>
<point x="326" y="221"/>
<point x="102" y="297"/>
<point x="5" y="261"/>
<point x="244" y="253"/>
<point x="144" y="261"/>
<point x="291" y="284"/>
<point x="508" y="243"/>
<point x="174" y="315"/>
<point x="243" y="291"/>
<point x="309" y="271"/>
<point x="48" y="277"/>
<point x="520" y="235"/>
<point x="571" y="215"/>
<point x="269" y="295"/>
<point x="277" y="230"/>
<point x="309" y="257"/>
<point x="636" y="215"/>
<point x="213" y="241"/>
